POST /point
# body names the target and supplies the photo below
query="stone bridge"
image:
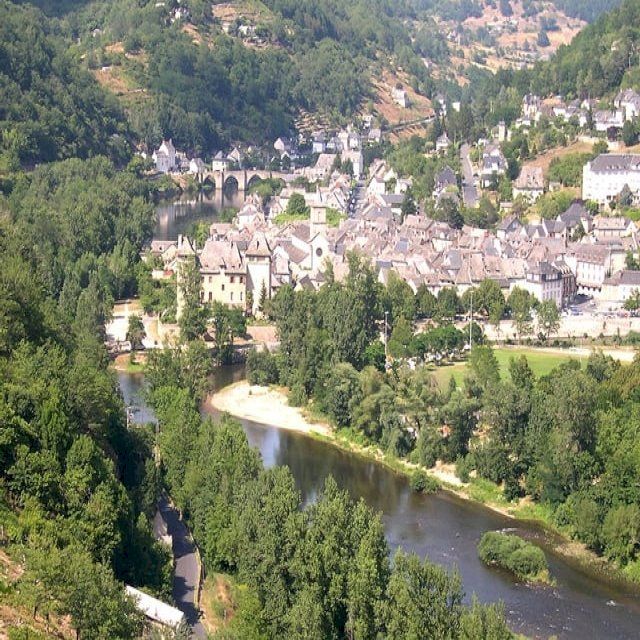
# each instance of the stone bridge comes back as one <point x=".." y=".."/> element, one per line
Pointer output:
<point x="243" y="178"/>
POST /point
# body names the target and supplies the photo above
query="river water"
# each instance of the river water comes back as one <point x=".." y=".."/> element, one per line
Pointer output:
<point x="177" y="216"/>
<point x="445" y="528"/>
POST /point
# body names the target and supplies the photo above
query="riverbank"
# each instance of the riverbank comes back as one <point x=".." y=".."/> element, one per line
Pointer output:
<point x="269" y="406"/>
<point x="265" y="405"/>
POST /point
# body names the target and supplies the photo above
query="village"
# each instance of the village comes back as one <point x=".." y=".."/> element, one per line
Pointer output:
<point x="584" y="258"/>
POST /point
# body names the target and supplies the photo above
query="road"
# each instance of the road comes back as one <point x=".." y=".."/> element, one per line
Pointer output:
<point x="469" y="189"/>
<point x="359" y="198"/>
<point x="187" y="571"/>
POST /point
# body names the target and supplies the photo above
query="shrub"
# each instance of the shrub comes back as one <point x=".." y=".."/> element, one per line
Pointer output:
<point x="464" y="466"/>
<point x="262" y="368"/>
<point x="423" y="483"/>
<point x="297" y="395"/>
<point x="514" y="554"/>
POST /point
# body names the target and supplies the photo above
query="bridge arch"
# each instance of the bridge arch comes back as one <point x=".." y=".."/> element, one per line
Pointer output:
<point x="231" y="183"/>
<point x="254" y="178"/>
<point x="209" y="181"/>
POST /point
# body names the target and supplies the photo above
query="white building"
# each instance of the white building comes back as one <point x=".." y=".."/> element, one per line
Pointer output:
<point x="605" y="177"/>
<point x="529" y="184"/>
<point x="544" y="281"/>
<point x="164" y="157"/>
<point x="628" y="101"/>
<point x="620" y="286"/>
<point x="443" y="143"/>
<point x="494" y="165"/>
<point x="197" y="166"/>
<point x="400" y="97"/>
<point x="357" y="161"/>
<point x="220" y="162"/>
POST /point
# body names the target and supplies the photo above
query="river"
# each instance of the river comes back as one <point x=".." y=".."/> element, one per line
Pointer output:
<point x="445" y="528"/>
<point x="175" y="217"/>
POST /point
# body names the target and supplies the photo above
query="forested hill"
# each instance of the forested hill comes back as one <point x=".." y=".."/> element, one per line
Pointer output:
<point x="209" y="74"/>
<point x="587" y="10"/>
<point x="242" y="70"/>
<point x="601" y="60"/>
<point x="50" y="107"/>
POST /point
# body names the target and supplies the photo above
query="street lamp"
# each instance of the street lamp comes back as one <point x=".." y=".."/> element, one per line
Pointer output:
<point x="386" y="357"/>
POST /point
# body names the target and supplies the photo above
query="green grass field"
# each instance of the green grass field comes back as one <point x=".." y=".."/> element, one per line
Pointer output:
<point x="541" y="363"/>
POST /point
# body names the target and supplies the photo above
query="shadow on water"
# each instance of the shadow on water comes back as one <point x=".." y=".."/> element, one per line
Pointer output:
<point x="447" y="529"/>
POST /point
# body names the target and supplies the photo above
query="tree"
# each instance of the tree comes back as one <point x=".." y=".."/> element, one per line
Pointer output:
<point x="423" y="600"/>
<point x="297" y="206"/>
<point x="521" y="373"/>
<point x="367" y="580"/>
<point x="398" y="299"/>
<point x="374" y="355"/>
<point x="448" y="304"/>
<point x="543" y="39"/>
<point x="625" y="197"/>
<point x="621" y="533"/>
<point x="459" y="415"/>
<point x="520" y="302"/>
<point x="193" y="319"/>
<point x="548" y="318"/>
<point x="632" y="303"/>
<point x="262" y="301"/>
<point x="401" y="338"/>
<point x="630" y="262"/>
<point x="629" y="133"/>
<point x="484" y="366"/>
<point x="84" y="590"/>
<point x="408" y="206"/>
<point x="449" y="211"/>
<point x="426" y="302"/>
<point x="505" y="8"/>
<point x="342" y="394"/>
<point x="484" y="621"/>
<point x="135" y="332"/>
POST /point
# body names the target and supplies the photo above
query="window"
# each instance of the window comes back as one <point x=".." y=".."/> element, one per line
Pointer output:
<point x="319" y="252"/>
<point x="210" y="279"/>
<point x="241" y="296"/>
<point x="232" y="279"/>
<point x="223" y="287"/>
<point x="210" y="296"/>
<point x="231" y="296"/>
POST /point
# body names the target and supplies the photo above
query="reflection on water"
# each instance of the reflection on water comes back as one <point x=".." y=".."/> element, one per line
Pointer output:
<point x="174" y="218"/>
<point x="447" y="529"/>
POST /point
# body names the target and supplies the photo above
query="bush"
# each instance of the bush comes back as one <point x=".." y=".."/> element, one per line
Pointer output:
<point x="423" y="483"/>
<point x="514" y="554"/>
<point x="297" y="395"/>
<point x="262" y="368"/>
<point x="464" y="466"/>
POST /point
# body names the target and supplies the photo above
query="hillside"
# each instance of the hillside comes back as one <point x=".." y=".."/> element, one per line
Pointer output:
<point x="602" y="59"/>
<point x="209" y="74"/>
<point x="50" y="108"/>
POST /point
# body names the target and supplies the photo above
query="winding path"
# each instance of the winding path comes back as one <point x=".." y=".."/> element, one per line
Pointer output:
<point x="187" y="570"/>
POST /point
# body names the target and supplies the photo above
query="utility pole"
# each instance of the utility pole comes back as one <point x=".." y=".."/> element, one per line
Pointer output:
<point x="386" y="357"/>
<point x="471" y="323"/>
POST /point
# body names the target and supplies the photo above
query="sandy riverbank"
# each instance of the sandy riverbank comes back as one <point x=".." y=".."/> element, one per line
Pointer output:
<point x="266" y="405"/>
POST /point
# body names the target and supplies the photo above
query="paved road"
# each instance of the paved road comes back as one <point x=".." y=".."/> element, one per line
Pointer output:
<point x="359" y="198"/>
<point x="469" y="190"/>
<point x="186" y="566"/>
